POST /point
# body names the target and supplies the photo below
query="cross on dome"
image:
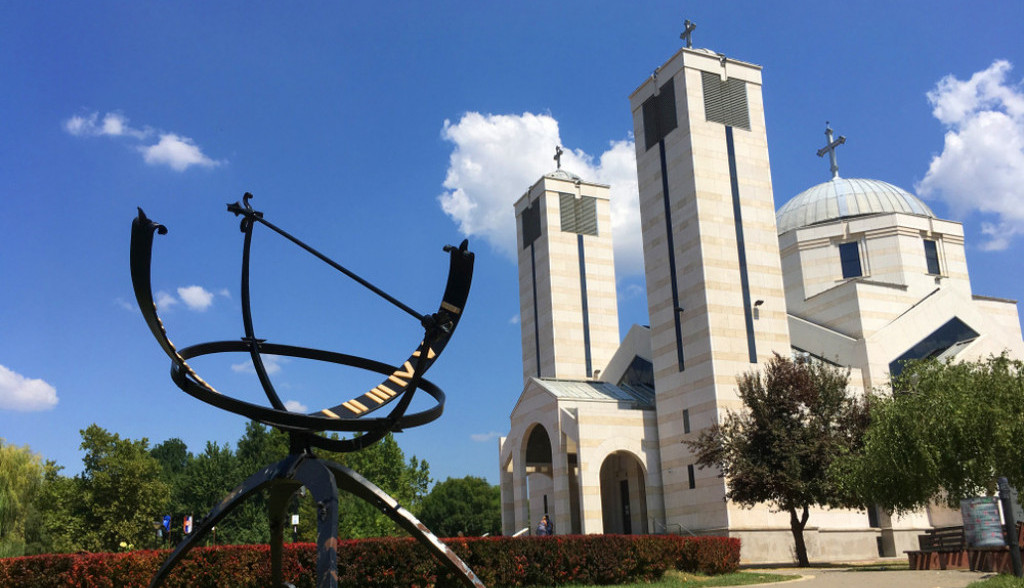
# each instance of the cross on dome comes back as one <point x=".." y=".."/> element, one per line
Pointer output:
<point x="831" y="150"/>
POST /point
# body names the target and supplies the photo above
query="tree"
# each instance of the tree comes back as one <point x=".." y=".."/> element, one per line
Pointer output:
<point x="121" y="490"/>
<point x="469" y="505"/>
<point x="21" y="474"/>
<point x="799" y="419"/>
<point x="946" y="432"/>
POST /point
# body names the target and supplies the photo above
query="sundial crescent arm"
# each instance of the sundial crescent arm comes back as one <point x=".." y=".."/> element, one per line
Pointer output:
<point x="400" y="382"/>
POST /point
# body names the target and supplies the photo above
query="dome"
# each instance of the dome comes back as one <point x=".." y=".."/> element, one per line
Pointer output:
<point x="843" y="198"/>
<point x="561" y="174"/>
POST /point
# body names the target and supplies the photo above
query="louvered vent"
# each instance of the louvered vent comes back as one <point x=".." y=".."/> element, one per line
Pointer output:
<point x="659" y="114"/>
<point x="531" y="223"/>
<point x="725" y="101"/>
<point x="579" y="215"/>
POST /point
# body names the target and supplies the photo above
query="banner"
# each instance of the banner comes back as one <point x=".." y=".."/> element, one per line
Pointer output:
<point x="186" y="525"/>
<point x="983" y="524"/>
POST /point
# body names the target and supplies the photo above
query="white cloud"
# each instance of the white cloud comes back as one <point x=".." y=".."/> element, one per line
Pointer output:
<point x="175" y="151"/>
<point x="196" y="297"/>
<point x="981" y="167"/>
<point x="114" y="124"/>
<point x="271" y="362"/>
<point x="165" y="301"/>
<point x="179" y="153"/>
<point x="485" y="437"/>
<point x="295" y="406"/>
<point x="24" y="394"/>
<point x="514" y="320"/>
<point x="498" y="157"/>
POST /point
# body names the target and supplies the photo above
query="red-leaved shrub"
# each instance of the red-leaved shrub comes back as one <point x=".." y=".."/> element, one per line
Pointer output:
<point x="392" y="562"/>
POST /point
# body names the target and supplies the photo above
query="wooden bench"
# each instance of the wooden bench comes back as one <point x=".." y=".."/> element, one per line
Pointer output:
<point x="941" y="548"/>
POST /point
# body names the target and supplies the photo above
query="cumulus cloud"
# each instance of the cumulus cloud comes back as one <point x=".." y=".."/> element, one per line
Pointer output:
<point x="173" y="150"/>
<point x="271" y="362"/>
<point x="295" y="406"/>
<point x="496" y="158"/>
<point x="196" y="297"/>
<point x="178" y="153"/>
<point x="485" y="437"/>
<point x="25" y="394"/>
<point x="981" y="167"/>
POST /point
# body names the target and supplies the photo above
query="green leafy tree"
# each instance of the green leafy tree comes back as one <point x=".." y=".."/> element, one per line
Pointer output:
<point x="174" y="458"/>
<point x="799" y="419"/>
<point x="121" y="490"/>
<point x="56" y="524"/>
<point x="21" y="474"/>
<point x="947" y="432"/>
<point x="469" y="505"/>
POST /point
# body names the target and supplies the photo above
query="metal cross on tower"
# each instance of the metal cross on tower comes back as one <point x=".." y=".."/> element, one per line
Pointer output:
<point x="831" y="150"/>
<point x="685" y="35"/>
<point x="558" y="156"/>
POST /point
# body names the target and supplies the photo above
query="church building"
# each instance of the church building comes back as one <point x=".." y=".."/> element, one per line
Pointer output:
<point x="855" y="272"/>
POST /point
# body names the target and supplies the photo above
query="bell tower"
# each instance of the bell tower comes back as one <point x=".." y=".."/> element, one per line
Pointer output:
<point x="714" y="280"/>
<point x="568" y="308"/>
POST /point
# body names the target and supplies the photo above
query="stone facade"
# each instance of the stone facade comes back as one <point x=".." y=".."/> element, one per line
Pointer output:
<point x="863" y="275"/>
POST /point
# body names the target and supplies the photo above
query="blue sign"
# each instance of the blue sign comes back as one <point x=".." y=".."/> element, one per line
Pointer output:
<point x="167" y="522"/>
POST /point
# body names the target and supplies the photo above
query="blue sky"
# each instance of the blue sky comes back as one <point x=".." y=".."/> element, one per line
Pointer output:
<point x="380" y="133"/>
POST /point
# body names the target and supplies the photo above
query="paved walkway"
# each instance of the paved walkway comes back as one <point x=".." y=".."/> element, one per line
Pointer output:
<point x="866" y="578"/>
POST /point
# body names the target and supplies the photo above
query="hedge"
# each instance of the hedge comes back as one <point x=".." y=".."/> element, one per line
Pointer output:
<point x="394" y="562"/>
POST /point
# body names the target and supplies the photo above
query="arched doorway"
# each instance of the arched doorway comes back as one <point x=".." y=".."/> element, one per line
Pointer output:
<point x="623" y="494"/>
<point x="539" y="476"/>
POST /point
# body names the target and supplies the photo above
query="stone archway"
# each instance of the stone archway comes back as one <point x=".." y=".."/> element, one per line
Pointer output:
<point x="623" y="494"/>
<point x="538" y="460"/>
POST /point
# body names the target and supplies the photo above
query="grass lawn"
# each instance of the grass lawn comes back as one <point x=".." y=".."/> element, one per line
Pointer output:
<point x="1000" y="581"/>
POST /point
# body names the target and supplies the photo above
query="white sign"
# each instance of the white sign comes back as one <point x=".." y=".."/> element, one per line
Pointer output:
<point x="295" y="520"/>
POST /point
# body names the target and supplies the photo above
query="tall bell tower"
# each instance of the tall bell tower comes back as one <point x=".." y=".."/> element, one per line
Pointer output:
<point x="714" y="280"/>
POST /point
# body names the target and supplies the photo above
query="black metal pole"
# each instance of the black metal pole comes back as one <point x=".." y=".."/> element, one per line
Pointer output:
<point x="1011" y="527"/>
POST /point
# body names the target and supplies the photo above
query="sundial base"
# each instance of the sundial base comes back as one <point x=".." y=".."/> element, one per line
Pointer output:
<point x="323" y="479"/>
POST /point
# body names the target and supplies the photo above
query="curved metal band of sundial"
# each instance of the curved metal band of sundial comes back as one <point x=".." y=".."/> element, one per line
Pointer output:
<point x="349" y="416"/>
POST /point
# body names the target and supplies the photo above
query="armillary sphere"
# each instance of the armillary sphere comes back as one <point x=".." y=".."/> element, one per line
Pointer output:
<point x="301" y="468"/>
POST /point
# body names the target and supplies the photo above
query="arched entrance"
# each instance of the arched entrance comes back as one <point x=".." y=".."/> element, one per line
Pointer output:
<point x="539" y="476"/>
<point x="623" y="494"/>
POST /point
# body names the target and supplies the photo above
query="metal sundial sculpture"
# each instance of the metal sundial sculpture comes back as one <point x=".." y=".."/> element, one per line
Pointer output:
<point x="302" y="468"/>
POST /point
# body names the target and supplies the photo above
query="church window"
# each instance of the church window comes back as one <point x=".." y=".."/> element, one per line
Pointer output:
<point x="660" y="114"/>
<point x="686" y="420"/>
<point x="944" y="342"/>
<point x="849" y="257"/>
<point x="725" y="101"/>
<point x="531" y="223"/>
<point x="578" y="215"/>
<point x="931" y="256"/>
<point x="689" y="473"/>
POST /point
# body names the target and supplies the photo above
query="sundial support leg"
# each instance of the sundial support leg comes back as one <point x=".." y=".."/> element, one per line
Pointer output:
<point x="351" y="481"/>
<point x="280" y="496"/>
<point x="253" y="484"/>
<point x="316" y="476"/>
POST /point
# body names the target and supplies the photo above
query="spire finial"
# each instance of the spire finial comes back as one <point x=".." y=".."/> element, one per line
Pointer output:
<point x="687" y="31"/>
<point x="558" y="156"/>
<point x="830" y="148"/>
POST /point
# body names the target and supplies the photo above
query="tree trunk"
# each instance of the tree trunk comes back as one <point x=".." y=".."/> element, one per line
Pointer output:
<point x="796" y="525"/>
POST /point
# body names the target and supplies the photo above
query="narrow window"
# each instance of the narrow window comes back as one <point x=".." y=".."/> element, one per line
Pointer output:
<point x="686" y="420"/>
<point x="849" y="257"/>
<point x="931" y="255"/>
<point x="689" y="472"/>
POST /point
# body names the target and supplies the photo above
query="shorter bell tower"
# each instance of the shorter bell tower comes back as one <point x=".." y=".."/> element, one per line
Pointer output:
<point x="567" y="304"/>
